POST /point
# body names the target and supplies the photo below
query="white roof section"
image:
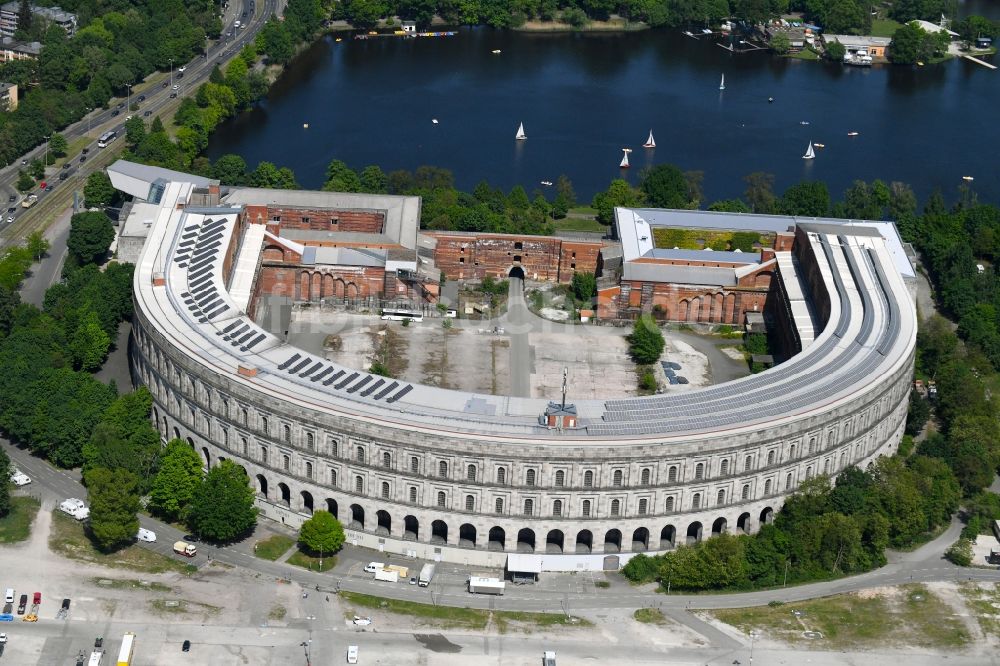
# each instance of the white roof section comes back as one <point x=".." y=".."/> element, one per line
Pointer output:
<point x="858" y="41"/>
<point x="136" y="179"/>
<point x="932" y="28"/>
<point x="871" y="334"/>
<point x="802" y="316"/>
<point x="524" y="563"/>
<point x="140" y="219"/>
<point x="402" y="214"/>
<point x="707" y="254"/>
<point x="245" y="270"/>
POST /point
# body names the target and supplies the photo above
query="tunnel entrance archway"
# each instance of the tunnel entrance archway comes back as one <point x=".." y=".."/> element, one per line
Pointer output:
<point x="516" y="272"/>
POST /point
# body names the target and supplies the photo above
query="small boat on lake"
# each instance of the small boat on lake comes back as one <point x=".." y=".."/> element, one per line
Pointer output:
<point x="434" y="120"/>
<point x="624" y="163"/>
<point x="852" y="134"/>
<point x="520" y="136"/>
<point x="650" y="142"/>
<point x="819" y="145"/>
<point x="547" y="183"/>
<point x="722" y="83"/>
<point x="810" y="153"/>
<point x="803" y="122"/>
<point x="968" y="178"/>
<point x="495" y="51"/>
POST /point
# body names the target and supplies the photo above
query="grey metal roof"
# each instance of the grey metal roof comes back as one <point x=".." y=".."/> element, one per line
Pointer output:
<point x="706" y="255"/>
<point x="150" y="174"/>
<point x="347" y="256"/>
<point x="646" y="272"/>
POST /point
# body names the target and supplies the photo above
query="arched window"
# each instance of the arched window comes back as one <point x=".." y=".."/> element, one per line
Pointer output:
<point x="501" y="475"/>
<point x="770" y="458"/>
<point x="672" y="474"/>
<point x="498" y="505"/>
<point x="414" y="465"/>
<point x="586" y="508"/>
<point x="386" y="459"/>
<point x="529" y="477"/>
<point x="767" y="487"/>
<point x="359" y="454"/>
<point x="696" y="501"/>
<point x="812" y="444"/>
<point x="560" y="478"/>
<point x="286" y="463"/>
<point x="747" y="462"/>
<point x="616" y="506"/>
<point x="642" y="507"/>
<point x="470" y="473"/>
<point x="310" y="441"/>
<point x="442" y="469"/>
<point x="745" y="493"/>
<point x="245" y="445"/>
<point x="309" y="470"/>
<point x="385" y="490"/>
<point x="617" y="478"/>
<point x="645" y="476"/>
<point x="359" y="484"/>
<point x="529" y="507"/>
<point x="788" y="481"/>
<point x="809" y="472"/>
<point x="843" y="459"/>
<point x="413" y="494"/>
<point x="699" y="472"/>
<point x="670" y="505"/>
<point x="557" y="508"/>
<point x="334" y="446"/>
<point x="244" y="415"/>
<point x="263" y="424"/>
<point x="791" y="452"/>
<point x="826" y="466"/>
<point x="442" y="499"/>
<point x="470" y="503"/>
<point x="588" y="479"/>
<point x="333" y="477"/>
<point x="724" y="468"/>
<point x="286" y="433"/>
<point x="720" y="499"/>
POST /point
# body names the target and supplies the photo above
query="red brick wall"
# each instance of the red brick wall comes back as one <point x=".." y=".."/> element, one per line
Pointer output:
<point x="474" y="256"/>
<point x="304" y="284"/>
<point x="318" y="219"/>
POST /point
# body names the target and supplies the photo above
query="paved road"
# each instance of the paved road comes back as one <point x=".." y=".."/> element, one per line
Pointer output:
<point x="518" y="324"/>
<point x="157" y="100"/>
<point x="45" y="274"/>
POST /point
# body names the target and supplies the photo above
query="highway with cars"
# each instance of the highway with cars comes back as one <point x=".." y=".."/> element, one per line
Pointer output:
<point x="152" y="100"/>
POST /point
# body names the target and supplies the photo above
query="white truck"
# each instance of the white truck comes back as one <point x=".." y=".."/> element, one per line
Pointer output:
<point x="481" y="585"/>
<point x="387" y="575"/>
<point x="426" y="575"/>
<point x="549" y="658"/>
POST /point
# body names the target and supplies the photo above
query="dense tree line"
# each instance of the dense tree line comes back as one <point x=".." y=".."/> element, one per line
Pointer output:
<point x="117" y="44"/>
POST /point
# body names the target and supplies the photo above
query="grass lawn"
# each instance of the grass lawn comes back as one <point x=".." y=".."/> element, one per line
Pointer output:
<point x="130" y="584"/>
<point x="908" y="615"/>
<point x="300" y="559"/>
<point x="583" y="210"/>
<point x="650" y="616"/>
<point x="884" y="27"/>
<point x="68" y="539"/>
<point x="578" y="224"/>
<point x="464" y="618"/>
<point x="805" y="54"/>
<point x="982" y="600"/>
<point x="16" y="525"/>
<point x="273" y="547"/>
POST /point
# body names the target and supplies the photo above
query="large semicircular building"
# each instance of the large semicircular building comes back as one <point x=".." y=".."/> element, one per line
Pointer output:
<point x="474" y="478"/>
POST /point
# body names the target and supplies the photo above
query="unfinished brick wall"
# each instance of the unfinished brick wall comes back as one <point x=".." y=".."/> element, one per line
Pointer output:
<point x="307" y="284"/>
<point x="317" y="219"/>
<point x="474" y="256"/>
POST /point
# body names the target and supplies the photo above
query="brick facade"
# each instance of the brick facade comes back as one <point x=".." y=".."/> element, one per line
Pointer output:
<point x="312" y="284"/>
<point x="317" y="219"/>
<point x="474" y="256"/>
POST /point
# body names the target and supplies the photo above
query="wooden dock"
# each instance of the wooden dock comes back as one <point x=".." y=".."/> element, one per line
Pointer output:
<point x="979" y="62"/>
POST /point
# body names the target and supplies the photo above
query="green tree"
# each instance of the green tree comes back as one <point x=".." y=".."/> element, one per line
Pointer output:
<point x="230" y="170"/>
<point x="36" y="169"/>
<point x="806" y="198"/>
<point x="90" y="344"/>
<point x="835" y="51"/>
<point x="918" y="414"/>
<point x="37" y="245"/>
<point x="58" y="145"/>
<point x="645" y="343"/>
<point x="341" y="178"/>
<point x="135" y="131"/>
<point x="322" y="533"/>
<point x="664" y="186"/>
<point x="175" y="483"/>
<point x="98" y="191"/>
<point x="373" y="180"/>
<point x="114" y="505"/>
<point x="380" y="368"/>
<point x="729" y="206"/>
<point x="222" y="508"/>
<point x="90" y="236"/>
<point x="584" y="286"/>
<point x="24" y="182"/>
<point x="565" y="197"/>
<point x="960" y="553"/>
<point x="619" y="193"/>
<point x="760" y="192"/>
<point x="780" y="43"/>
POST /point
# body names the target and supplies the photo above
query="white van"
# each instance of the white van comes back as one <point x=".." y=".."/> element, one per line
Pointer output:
<point x="236" y="25"/>
<point x="352" y="654"/>
<point x="75" y="508"/>
<point x="8" y="596"/>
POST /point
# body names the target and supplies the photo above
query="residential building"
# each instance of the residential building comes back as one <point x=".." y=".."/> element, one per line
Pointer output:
<point x="13" y="50"/>
<point x="8" y="96"/>
<point x="9" y="18"/>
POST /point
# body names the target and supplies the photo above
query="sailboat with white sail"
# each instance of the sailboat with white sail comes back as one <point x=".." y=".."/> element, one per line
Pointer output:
<point x="624" y="163"/>
<point x="520" y="136"/>
<point x="722" y="83"/>
<point x="650" y="142"/>
<point x="810" y="153"/>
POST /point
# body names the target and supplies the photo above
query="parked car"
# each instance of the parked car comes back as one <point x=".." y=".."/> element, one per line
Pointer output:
<point x="362" y="621"/>
<point x="22" y="604"/>
<point x="352" y="654"/>
<point x="42" y="185"/>
<point x="65" y="604"/>
<point x="413" y="580"/>
<point x="12" y="197"/>
<point x="149" y="536"/>
<point x="3" y="638"/>
<point x="186" y="646"/>
<point x="18" y="478"/>
<point x="37" y="599"/>
<point x="182" y="69"/>
<point x="75" y="507"/>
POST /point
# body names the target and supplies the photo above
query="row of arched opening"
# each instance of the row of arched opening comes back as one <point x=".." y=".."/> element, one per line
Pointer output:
<point x="497" y="539"/>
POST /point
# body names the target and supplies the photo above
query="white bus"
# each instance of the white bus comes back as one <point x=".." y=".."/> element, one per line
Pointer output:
<point x="401" y="314"/>
<point x="125" y="654"/>
<point x="107" y="138"/>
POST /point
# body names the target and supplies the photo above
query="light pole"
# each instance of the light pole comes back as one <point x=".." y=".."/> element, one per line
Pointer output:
<point x="45" y="160"/>
<point x="128" y="103"/>
<point x="171" y="73"/>
<point x="88" y="119"/>
<point x="787" y="563"/>
<point x="305" y="648"/>
<point x="753" y="635"/>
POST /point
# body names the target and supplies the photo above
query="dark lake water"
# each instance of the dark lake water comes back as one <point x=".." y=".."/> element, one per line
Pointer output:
<point x="582" y="98"/>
